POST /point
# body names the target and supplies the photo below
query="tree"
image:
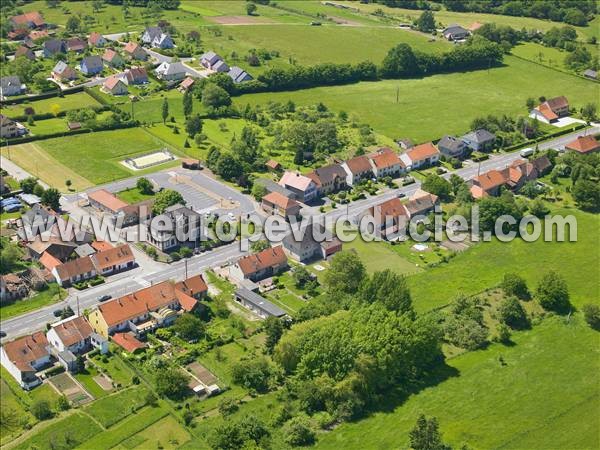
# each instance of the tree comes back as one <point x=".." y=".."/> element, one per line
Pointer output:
<point x="586" y="194"/>
<point x="193" y="125"/>
<point x="51" y="198"/>
<point x="538" y="208"/>
<point x="62" y="404"/>
<point x="299" y="432"/>
<point x="259" y="191"/>
<point x="552" y="292"/>
<point x="588" y="112"/>
<point x="188" y="103"/>
<point x="512" y="313"/>
<point x="437" y="185"/>
<point x="228" y="406"/>
<point x="345" y="274"/>
<point x="144" y="185"/>
<point x="41" y="409"/>
<point x="574" y="16"/>
<point x="591" y="313"/>
<point x="166" y="198"/>
<point x="259" y="246"/>
<point x="426" y="22"/>
<point x="73" y="24"/>
<point x="250" y="8"/>
<point x="389" y="288"/>
<point x="514" y="285"/>
<point x="170" y="382"/>
<point x="28" y="184"/>
<point x="228" y="167"/>
<point x="530" y="103"/>
<point x="189" y="327"/>
<point x="426" y="435"/>
<point x="301" y="276"/>
<point x="254" y="374"/>
<point x="68" y="183"/>
<point x="274" y="330"/>
<point x="214" y="96"/>
<point x="165" y="110"/>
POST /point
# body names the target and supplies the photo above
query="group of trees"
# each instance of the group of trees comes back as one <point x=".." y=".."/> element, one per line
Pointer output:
<point x="49" y="197"/>
<point x="583" y="170"/>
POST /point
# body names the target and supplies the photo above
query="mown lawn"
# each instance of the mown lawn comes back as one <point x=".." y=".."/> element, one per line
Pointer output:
<point x="64" y="434"/>
<point x="545" y="395"/>
<point x="66" y="103"/>
<point x="125" y="429"/>
<point x="111" y="409"/>
<point x="166" y="433"/>
<point x="485" y="264"/>
<point x="52" y="294"/>
<point x="133" y="195"/>
<point x="116" y="369"/>
<point x="87" y="380"/>
<point x="377" y="256"/>
<point x="433" y="106"/>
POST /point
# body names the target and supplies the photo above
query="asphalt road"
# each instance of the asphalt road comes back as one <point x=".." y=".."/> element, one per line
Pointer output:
<point x="133" y="280"/>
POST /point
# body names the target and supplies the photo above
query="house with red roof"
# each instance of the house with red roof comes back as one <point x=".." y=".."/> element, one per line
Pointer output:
<point x="551" y="110"/>
<point x="277" y="203"/>
<point x="303" y="187"/>
<point x="128" y="342"/>
<point x="357" y="169"/>
<point x="135" y="51"/>
<point x="386" y="163"/>
<point x="31" y="20"/>
<point x="584" y="145"/>
<point x="113" y="260"/>
<point x="261" y="265"/>
<point x="24" y="357"/>
<point x="115" y="86"/>
<point x="95" y="39"/>
<point x="112" y="58"/>
<point x="422" y="155"/>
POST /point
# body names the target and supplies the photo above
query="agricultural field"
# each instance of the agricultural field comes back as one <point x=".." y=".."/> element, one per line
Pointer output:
<point x="486" y="404"/>
<point x="424" y="109"/>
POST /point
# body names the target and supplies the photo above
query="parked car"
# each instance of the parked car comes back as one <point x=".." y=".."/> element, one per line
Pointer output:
<point x="104" y="297"/>
<point x="2" y="334"/>
<point x="526" y="152"/>
<point x="401" y="195"/>
<point x="57" y="312"/>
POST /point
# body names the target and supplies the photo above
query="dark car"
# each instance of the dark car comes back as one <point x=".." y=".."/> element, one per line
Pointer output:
<point x="57" y="312"/>
<point x="105" y="297"/>
<point x="2" y="334"/>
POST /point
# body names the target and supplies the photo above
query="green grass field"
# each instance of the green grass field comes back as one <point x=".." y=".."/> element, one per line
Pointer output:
<point x="433" y="106"/>
<point x="113" y="408"/>
<point x="39" y="300"/>
<point x="63" y="434"/>
<point x="165" y="433"/>
<point x="116" y="369"/>
<point x="484" y="265"/>
<point x="66" y="103"/>
<point x="380" y="256"/>
<point x="545" y="396"/>
<point x="133" y="196"/>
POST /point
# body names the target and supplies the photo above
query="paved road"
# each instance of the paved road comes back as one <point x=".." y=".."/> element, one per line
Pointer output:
<point x="134" y="280"/>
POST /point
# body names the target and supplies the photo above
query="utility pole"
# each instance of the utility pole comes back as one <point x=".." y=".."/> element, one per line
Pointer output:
<point x="186" y="269"/>
<point x="77" y="298"/>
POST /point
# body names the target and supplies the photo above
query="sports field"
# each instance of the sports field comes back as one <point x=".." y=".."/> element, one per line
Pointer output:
<point x="432" y="106"/>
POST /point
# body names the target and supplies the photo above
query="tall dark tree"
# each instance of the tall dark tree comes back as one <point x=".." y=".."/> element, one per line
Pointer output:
<point x="165" y="110"/>
<point x="188" y="103"/>
<point x="426" y="435"/>
<point x="426" y="22"/>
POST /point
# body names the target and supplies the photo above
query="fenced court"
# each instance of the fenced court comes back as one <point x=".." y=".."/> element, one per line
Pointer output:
<point x="66" y="385"/>
<point x="149" y="160"/>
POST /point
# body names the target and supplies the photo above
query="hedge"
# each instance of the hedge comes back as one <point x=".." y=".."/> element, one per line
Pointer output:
<point x="17" y="101"/>
<point x="543" y="138"/>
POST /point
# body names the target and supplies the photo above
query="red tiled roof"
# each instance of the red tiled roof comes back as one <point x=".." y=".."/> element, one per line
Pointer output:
<point x="295" y="180"/>
<point x="187" y="83"/>
<point x="547" y="112"/>
<point x="73" y="330"/>
<point x="38" y="34"/>
<point x="34" y="17"/>
<point x="49" y="261"/>
<point x="21" y="352"/>
<point x="106" y="199"/>
<point x="385" y="158"/>
<point x="101" y="246"/>
<point x="584" y="144"/>
<point x="358" y="164"/>
<point x="390" y="208"/>
<point x="111" y="82"/>
<point x="94" y="38"/>
<point x="270" y="257"/>
<point x="557" y="103"/>
<point x="109" y="55"/>
<point x="114" y="256"/>
<point x="422" y="151"/>
<point x="131" y="47"/>
<point x="192" y="286"/>
<point x="490" y="180"/>
<point x="75" y="267"/>
<point x="272" y="164"/>
<point x="280" y="200"/>
<point x="127" y="341"/>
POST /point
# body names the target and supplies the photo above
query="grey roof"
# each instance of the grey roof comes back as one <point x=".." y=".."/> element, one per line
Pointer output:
<point x="67" y="356"/>
<point x="211" y="57"/>
<point x="259" y="302"/>
<point x="85" y="250"/>
<point x="271" y="186"/>
<point x="480" y="136"/>
<point x="12" y="80"/>
<point x="238" y="74"/>
<point x="590" y="73"/>
<point x="179" y="210"/>
<point x="92" y="62"/>
<point x="175" y="67"/>
<point x="309" y="235"/>
<point x="220" y="63"/>
<point x="451" y="143"/>
<point x="154" y="32"/>
<point x="60" y="67"/>
<point x="54" y="46"/>
<point x="455" y="29"/>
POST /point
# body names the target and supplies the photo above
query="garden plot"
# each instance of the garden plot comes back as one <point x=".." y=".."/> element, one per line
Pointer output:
<point x="66" y="385"/>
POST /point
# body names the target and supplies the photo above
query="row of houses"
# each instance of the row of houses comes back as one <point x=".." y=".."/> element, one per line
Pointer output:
<point x="215" y="62"/>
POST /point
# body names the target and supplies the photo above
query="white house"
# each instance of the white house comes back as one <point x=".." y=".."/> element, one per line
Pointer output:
<point x="75" y="270"/>
<point x="71" y="334"/>
<point x="357" y="169"/>
<point x="170" y="71"/>
<point x="420" y="156"/>
<point x="24" y="357"/>
<point x="386" y="163"/>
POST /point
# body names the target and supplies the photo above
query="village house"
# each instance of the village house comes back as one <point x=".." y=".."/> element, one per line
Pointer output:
<point x="182" y="221"/>
<point x="186" y="84"/>
<point x="357" y="169"/>
<point x="74" y="271"/>
<point x="329" y="179"/>
<point x="71" y="334"/>
<point x="142" y="311"/>
<point x="584" y="145"/>
<point x="112" y="58"/>
<point x="259" y="266"/>
<point x="451" y="147"/>
<point x="213" y="61"/>
<point x="31" y="20"/>
<point x="116" y="259"/>
<point x="135" y="51"/>
<point x="276" y="203"/>
<point x="115" y="86"/>
<point x="194" y="286"/>
<point x="155" y="37"/>
<point x="390" y="217"/>
<point x="136" y="75"/>
<point x="386" y="163"/>
<point x="422" y="155"/>
<point x="62" y="72"/>
<point x="258" y="304"/>
<point x="420" y="203"/>
<point x="314" y="242"/>
<point x="106" y="201"/>
<point x="53" y="47"/>
<point x="479" y="140"/>
<point x="76" y="45"/>
<point x="171" y="71"/>
<point x="91" y="65"/>
<point x="455" y="32"/>
<point x="304" y="188"/>
<point x="10" y="128"/>
<point x="95" y="39"/>
<point x="11" y="85"/>
<point x="238" y="75"/>
<point x="35" y="36"/>
<point x="551" y="110"/>
<point x="24" y="52"/>
<point x="24" y="357"/>
<point x="12" y="287"/>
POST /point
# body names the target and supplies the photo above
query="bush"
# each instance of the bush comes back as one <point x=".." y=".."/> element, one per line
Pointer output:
<point x="185" y="252"/>
<point x="299" y="432"/>
<point x="514" y="285"/>
<point x="591" y="313"/>
<point x="512" y="313"/>
<point x="41" y="410"/>
<point x="552" y="293"/>
<point x="54" y="371"/>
